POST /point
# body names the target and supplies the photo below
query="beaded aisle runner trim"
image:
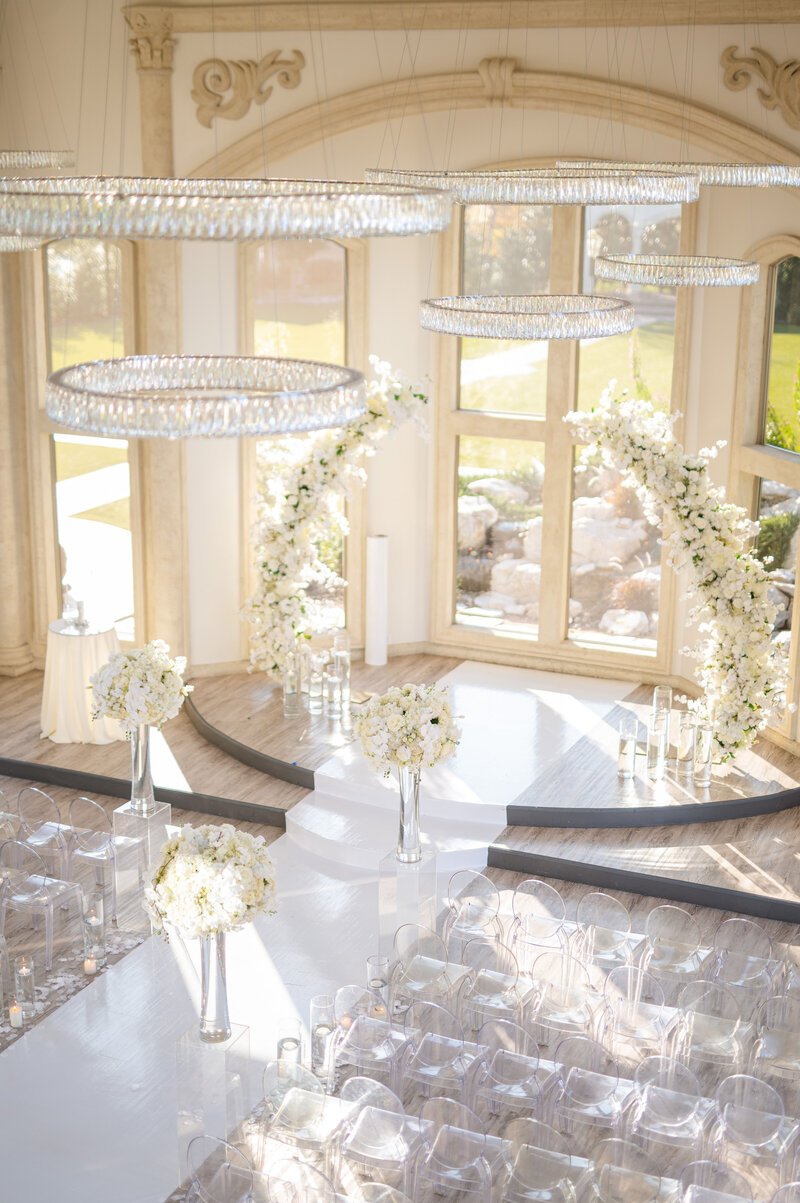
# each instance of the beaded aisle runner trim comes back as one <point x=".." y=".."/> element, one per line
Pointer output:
<point x="65" y="979"/>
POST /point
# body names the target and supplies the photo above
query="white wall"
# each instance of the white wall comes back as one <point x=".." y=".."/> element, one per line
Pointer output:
<point x="99" y="117"/>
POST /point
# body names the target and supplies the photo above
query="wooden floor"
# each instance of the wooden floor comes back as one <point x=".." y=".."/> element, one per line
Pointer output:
<point x="249" y="708"/>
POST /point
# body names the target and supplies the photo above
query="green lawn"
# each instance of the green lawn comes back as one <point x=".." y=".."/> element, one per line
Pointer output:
<point x="115" y="513"/>
<point x="86" y="343"/>
<point x="297" y="340"/>
<point x="783" y="365"/>
<point x="76" y="459"/>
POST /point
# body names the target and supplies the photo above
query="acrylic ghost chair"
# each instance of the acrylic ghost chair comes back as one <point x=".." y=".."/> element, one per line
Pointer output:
<point x="292" y="1181"/>
<point x="94" y="846"/>
<point x="619" y="1172"/>
<point x="9" y="823"/>
<point x="743" y="961"/>
<point x="505" y="1080"/>
<point x="364" y="1040"/>
<point x="40" y="826"/>
<point x="309" y="1121"/>
<point x="790" y="1193"/>
<point x="583" y="1099"/>
<point x="665" y="1114"/>
<point x="492" y="989"/>
<point x="473" y="912"/>
<point x="561" y="1002"/>
<point x="27" y="890"/>
<point x="672" y="949"/>
<point x="378" y="1192"/>
<point x="434" y="1061"/>
<point x="751" y="1134"/>
<point x="279" y="1077"/>
<point x="377" y="1142"/>
<point x="538" y="924"/>
<point x="635" y="1020"/>
<point x="218" y="1172"/>
<point x="776" y="1051"/>
<point x="712" y="1182"/>
<point x="420" y="971"/>
<point x="451" y="1160"/>
<point x="602" y="940"/>
<point x="708" y="1034"/>
<point x="539" y="1165"/>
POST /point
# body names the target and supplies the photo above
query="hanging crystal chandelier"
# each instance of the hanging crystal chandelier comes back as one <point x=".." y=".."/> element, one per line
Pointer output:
<point x="182" y="396"/>
<point x="728" y="175"/>
<point x="707" y="271"/>
<point x="36" y="160"/>
<point x="535" y="317"/>
<point x="551" y="185"/>
<point x="114" y="207"/>
<point x="13" y="242"/>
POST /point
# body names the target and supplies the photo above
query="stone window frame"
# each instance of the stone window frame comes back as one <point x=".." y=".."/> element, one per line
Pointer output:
<point x="552" y="649"/>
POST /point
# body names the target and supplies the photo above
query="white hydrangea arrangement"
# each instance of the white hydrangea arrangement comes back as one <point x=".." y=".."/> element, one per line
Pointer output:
<point x="211" y="879"/>
<point x="409" y="726"/>
<point x="300" y="485"/>
<point x="741" y="671"/>
<point x="144" y="686"/>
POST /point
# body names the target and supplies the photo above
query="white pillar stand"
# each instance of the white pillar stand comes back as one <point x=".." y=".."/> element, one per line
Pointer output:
<point x="212" y="1083"/>
<point x="406" y="894"/>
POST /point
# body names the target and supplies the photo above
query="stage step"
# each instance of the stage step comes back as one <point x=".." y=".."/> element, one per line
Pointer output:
<point x="353" y="834"/>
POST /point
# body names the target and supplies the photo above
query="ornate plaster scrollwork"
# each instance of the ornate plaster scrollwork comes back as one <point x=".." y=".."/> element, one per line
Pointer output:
<point x="152" y="40"/>
<point x="496" y="76"/>
<point x="245" y="79"/>
<point x="782" y="80"/>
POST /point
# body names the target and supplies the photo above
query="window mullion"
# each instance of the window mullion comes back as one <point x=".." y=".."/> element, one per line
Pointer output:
<point x="562" y="368"/>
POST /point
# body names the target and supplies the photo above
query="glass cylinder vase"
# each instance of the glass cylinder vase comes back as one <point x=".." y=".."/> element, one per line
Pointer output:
<point x="142" y="799"/>
<point x="215" y="1024"/>
<point x="409" y="846"/>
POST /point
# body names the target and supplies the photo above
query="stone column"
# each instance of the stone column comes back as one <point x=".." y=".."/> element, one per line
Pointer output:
<point x="162" y="471"/>
<point x="15" y="586"/>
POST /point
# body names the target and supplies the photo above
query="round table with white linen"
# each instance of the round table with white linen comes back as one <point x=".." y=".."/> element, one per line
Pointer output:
<point x="73" y="654"/>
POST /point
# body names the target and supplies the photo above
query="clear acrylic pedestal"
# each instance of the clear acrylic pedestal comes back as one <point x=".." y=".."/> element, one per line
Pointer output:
<point x="150" y="828"/>
<point x="406" y="894"/>
<point x="212" y="1086"/>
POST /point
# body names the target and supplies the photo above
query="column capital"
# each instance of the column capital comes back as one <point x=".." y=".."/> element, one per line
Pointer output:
<point x="152" y="41"/>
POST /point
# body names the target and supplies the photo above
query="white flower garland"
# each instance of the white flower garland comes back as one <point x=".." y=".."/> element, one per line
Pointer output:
<point x="140" y="686"/>
<point x="211" y="879"/>
<point x="411" y="726"/>
<point x="299" y="482"/>
<point x="742" y="673"/>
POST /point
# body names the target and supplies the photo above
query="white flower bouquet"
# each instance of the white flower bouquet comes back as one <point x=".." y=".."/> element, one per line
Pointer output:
<point x="140" y="687"/>
<point x="211" y="879"/>
<point x="409" y="726"/>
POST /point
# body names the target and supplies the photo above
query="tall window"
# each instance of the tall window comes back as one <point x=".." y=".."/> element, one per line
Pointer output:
<point x="544" y="556"/>
<point x="299" y="310"/>
<point x="92" y="475"/>
<point x="782" y="392"/>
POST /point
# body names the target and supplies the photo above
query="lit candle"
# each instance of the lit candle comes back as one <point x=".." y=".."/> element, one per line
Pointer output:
<point x="15" y="1014"/>
<point x="90" y="966"/>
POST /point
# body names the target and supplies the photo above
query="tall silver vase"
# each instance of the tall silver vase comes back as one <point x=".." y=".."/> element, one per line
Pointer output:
<point x="142" y="799"/>
<point x="215" y="1024"/>
<point x="409" y="846"/>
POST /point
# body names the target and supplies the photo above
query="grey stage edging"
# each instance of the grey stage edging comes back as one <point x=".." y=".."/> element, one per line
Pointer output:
<point x="295" y="774"/>
<point x="605" y="877"/>
<point x="652" y="816"/>
<point x="116" y="787"/>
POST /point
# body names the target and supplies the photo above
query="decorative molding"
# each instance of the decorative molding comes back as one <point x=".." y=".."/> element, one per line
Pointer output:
<point x="639" y="106"/>
<point x="270" y="16"/>
<point x="152" y="40"/>
<point x="245" y="79"/>
<point x="496" y="76"/>
<point x="782" y="80"/>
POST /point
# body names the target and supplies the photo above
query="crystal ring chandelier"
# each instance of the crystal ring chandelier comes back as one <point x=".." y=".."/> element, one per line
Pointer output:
<point x="114" y="207"/>
<point x="540" y="317"/>
<point x="182" y="396"/>
<point x="12" y="242"/>
<point x="35" y="160"/>
<point x="551" y="185"/>
<point x="677" y="270"/>
<point x="729" y="175"/>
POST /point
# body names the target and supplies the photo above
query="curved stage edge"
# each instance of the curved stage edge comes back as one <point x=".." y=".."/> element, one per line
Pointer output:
<point x="529" y="816"/>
